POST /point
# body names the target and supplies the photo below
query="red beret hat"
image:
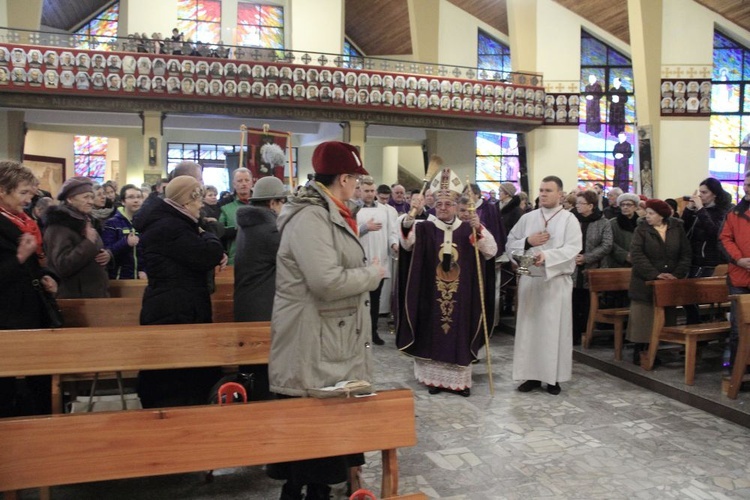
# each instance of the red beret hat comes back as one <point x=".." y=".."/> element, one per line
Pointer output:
<point x="334" y="158"/>
<point x="660" y="207"/>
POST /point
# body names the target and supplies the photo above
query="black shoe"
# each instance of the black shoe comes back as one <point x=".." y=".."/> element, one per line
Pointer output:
<point x="465" y="392"/>
<point x="433" y="390"/>
<point x="291" y="492"/>
<point x="554" y="389"/>
<point x="529" y="385"/>
<point x="377" y="340"/>
<point x="318" y="491"/>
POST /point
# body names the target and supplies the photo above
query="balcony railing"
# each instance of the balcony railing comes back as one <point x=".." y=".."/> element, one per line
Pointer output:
<point x="243" y="53"/>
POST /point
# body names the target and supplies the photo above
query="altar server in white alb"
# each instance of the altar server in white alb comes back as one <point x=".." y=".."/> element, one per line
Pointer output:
<point x="543" y="349"/>
<point x="378" y="235"/>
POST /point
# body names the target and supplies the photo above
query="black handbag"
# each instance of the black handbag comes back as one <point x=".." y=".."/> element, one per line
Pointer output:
<point x="50" y="308"/>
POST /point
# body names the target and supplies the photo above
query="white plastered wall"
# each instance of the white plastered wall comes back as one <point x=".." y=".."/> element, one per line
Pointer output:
<point x="3" y="12"/>
<point x="147" y="16"/>
<point x="688" y="31"/>
<point x="317" y="26"/>
<point x="59" y="144"/>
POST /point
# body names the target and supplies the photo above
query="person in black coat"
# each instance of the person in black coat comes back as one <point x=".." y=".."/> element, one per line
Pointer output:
<point x="21" y="259"/>
<point x="180" y="257"/>
<point x="659" y="251"/>
<point x="703" y="217"/>
<point x="257" y="242"/>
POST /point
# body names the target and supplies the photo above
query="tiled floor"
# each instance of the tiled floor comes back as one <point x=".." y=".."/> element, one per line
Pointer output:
<point x="601" y="438"/>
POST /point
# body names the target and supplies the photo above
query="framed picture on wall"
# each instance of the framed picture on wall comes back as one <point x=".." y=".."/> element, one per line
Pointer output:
<point x="49" y="170"/>
<point x="152" y="177"/>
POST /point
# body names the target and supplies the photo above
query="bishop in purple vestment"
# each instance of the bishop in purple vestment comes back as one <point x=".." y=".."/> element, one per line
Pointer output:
<point x="442" y="325"/>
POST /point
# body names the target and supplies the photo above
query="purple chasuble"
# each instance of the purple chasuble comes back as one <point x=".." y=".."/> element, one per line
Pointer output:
<point x="442" y="312"/>
<point x="401" y="208"/>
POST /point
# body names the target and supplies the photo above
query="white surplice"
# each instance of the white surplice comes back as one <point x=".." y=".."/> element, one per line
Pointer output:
<point x="377" y="244"/>
<point x="544" y="324"/>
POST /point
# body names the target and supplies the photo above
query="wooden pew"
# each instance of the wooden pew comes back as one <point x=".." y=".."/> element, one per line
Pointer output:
<point x="135" y="288"/>
<point x="682" y="292"/>
<point x="607" y="280"/>
<point x="125" y="311"/>
<point x="145" y="442"/>
<point x="742" y="358"/>
<point x="721" y="270"/>
<point x="152" y="347"/>
<point x="115" y="445"/>
<point x="67" y="351"/>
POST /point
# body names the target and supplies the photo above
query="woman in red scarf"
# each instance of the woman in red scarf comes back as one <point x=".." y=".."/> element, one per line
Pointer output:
<point x="21" y="258"/>
<point x="320" y="327"/>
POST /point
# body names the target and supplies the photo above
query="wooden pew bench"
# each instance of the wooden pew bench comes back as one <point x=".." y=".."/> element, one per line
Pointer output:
<point x="742" y="358"/>
<point x="115" y="445"/>
<point x="683" y="292"/>
<point x="134" y="288"/>
<point x="124" y="311"/>
<point x="601" y="281"/>
<point x="173" y="440"/>
<point x="130" y="348"/>
<point x="113" y="312"/>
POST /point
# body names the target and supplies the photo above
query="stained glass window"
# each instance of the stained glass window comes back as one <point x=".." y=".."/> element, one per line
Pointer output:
<point x="492" y="55"/>
<point x="260" y="25"/>
<point x="353" y="58"/>
<point x="101" y="32"/>
<point x="90" y="156"/>
<point x="199" y="20"/>
<point x="730" y="114"/>
<point x="607" y="117"/>
<point x="497" y="158"/>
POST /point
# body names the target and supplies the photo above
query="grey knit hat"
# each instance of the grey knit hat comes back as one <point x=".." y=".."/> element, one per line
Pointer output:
<point x="268" y="188"/>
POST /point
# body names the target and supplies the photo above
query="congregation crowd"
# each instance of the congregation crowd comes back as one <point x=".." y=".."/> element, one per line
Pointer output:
<point x="176" y="44"/>
<point x="323" y="263"/>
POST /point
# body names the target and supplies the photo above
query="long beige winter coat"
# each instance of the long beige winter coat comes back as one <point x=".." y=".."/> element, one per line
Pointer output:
<point x="320" y="331"/>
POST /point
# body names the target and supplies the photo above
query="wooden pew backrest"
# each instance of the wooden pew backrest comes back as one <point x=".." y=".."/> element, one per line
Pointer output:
<point x="113" y="445"/>
<point x="609" y="280"/>
<point x="134" y="288"/>
<point x="669" y="293"/>
<point x="124" y="311"/>
<point x="682" y="292"/>
<point x="84" y="350"/>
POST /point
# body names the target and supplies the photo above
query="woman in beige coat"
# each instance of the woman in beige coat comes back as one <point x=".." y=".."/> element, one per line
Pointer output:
<point x="320" y="331"/>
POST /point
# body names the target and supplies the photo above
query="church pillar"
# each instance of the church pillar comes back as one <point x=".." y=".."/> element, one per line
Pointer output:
<point x="645" y="18"/>
<point x="153" y="154"/>
<point x="24" y="14"/>
<point x="684" y="143"/>
<point x="424" y="22"/>
<point x="355" y="133"/>
<point x="11" y="135"/>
